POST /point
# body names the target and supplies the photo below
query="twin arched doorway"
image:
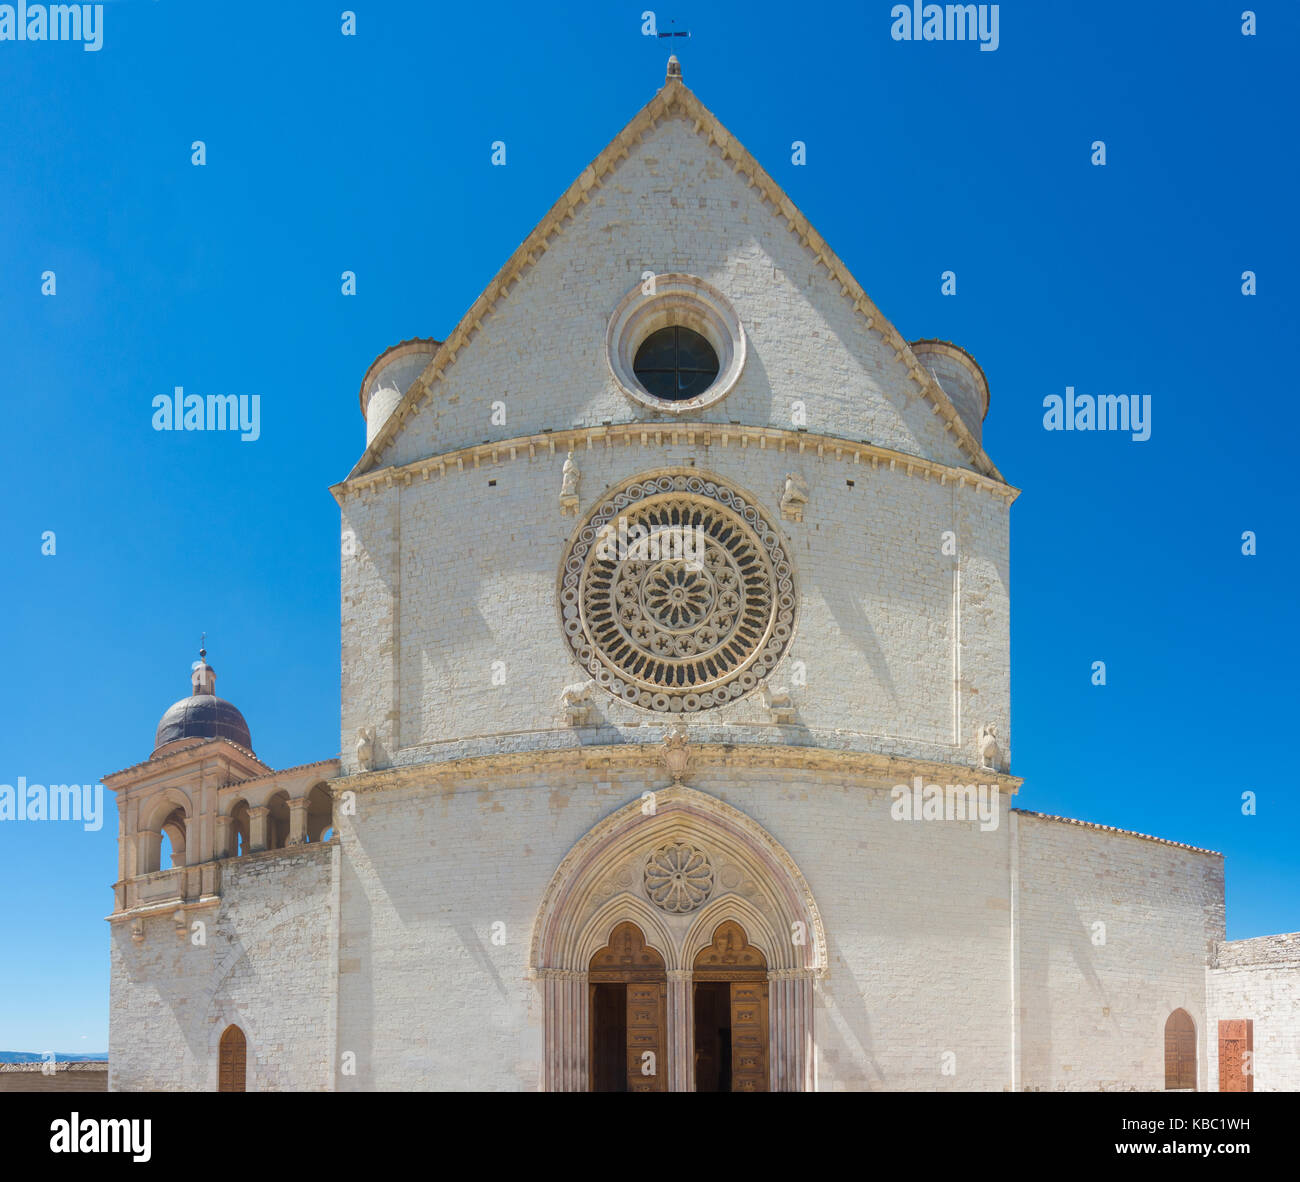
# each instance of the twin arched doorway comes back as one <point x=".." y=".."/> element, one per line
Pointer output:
<point x="627" y="984"/>
<point x="677" y="949"/>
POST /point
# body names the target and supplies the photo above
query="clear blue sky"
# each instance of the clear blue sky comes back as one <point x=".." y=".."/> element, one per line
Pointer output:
<point x="371" y="154"/>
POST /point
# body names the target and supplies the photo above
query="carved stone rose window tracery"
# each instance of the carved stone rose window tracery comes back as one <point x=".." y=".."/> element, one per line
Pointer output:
<point x="677" y="595"/>
<point x="679" y="877"/>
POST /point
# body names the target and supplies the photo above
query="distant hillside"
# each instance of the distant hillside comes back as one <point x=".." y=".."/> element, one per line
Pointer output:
<point x="59" y="1057"/>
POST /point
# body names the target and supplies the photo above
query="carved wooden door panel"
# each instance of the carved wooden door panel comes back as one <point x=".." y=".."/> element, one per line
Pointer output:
<point x="631" y="1025"/>
<point x="732" y="959"/>
<point x="646" y="1022"/>
<point x="749" y="1036"/>
<point x="1236" y="1055"/>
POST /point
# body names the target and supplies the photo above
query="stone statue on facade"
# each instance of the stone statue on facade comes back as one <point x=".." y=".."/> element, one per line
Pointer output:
<point x="676" y="752"/>
<point x="569" y="486"/>
<point x="795" y="497"/>
<point x="366" y="748"/>
<point x="987" y="745"/>
<point x="779" y="703"/>
<point x="576" y="699"/>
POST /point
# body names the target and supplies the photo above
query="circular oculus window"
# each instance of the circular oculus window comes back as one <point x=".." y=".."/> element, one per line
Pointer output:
<point x="676" y="594"/>
<point x="677" y="348"/>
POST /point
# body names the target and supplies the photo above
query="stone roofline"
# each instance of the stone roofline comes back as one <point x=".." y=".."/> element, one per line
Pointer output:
<point x="171" y="758"/>
<point x="1121" y="832"/>
<point x="288" y="773"/>
<point x="1259" y="952"/>
<point x="674" y="98"/>
<point x="764" y="438"/>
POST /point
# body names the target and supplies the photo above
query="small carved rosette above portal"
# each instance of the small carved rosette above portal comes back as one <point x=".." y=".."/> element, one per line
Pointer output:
<point x="679" y="878"/>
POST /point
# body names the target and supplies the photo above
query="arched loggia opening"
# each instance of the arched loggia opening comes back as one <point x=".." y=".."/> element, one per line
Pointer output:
<point x="240" y="830"/>
<point x="320" y="813"/>
<point x="277" y="821"/>
<point x="172" y="847"/>
<point x="166" y="814"/>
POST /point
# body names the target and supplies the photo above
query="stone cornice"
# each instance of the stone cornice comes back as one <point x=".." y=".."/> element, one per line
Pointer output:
<point x="674" y="99"/>
<point x="704" y="757"/>
<point x="232" y="753"/>
<point x="776" y="439"/>
<point x="165" y="907"/>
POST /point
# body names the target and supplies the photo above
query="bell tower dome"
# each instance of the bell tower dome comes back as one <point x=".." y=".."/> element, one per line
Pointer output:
<point x="202" y="715"/>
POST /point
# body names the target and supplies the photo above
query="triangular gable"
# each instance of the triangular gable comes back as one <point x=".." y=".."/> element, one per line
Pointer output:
<point x="673" y="100"/>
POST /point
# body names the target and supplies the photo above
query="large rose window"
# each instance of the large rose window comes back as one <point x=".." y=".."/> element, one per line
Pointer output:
<point x="677" y="594"/>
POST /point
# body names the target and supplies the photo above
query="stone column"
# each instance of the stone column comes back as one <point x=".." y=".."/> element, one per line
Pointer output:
<point x="257" y="824"/>
<point x="148" y="851"/>
<point x="225" y="834"/>
<point x="297" y="821"/>
<point x="681" y="1031"/>
<point x="125" y="856"/>
<point x="790" y="1022"/>
<point x="564" y="998"/>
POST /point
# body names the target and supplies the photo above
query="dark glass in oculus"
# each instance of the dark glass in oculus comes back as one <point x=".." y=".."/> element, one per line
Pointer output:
<point x="675" y="363"/>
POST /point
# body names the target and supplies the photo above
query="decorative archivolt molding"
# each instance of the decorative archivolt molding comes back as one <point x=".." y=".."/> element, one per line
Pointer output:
<point x="599" y="884"/>
<point x="675" y="100"/>
<point x="776" y="439"/>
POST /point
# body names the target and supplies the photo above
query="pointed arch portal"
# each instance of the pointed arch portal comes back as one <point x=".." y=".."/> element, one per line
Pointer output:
<point x="708" y="928"/>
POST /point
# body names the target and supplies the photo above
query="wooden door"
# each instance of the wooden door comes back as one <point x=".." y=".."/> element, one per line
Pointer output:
<point x="647" y="1009"/>
<point x="732" y="959"/>
<point x="232" y="1061"/>
<point x="1237" y="1055"/>
<point x="749" y="1036"/>
<point x="1180" y="1051"/>
<point x="630" y="973"/>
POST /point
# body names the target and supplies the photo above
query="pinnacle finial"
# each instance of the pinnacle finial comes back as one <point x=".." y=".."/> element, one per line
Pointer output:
<point x="202" y="675"/>
<point x="674" y="69"/>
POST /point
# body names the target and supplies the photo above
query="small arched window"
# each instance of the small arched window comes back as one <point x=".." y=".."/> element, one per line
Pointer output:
<point x="232" y="1061"/>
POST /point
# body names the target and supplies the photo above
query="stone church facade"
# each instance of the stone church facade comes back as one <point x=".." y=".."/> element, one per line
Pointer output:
<point x="676" y="721"/>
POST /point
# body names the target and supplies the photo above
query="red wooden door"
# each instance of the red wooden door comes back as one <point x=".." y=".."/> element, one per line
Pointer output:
<point x="1236" y="1055"/>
